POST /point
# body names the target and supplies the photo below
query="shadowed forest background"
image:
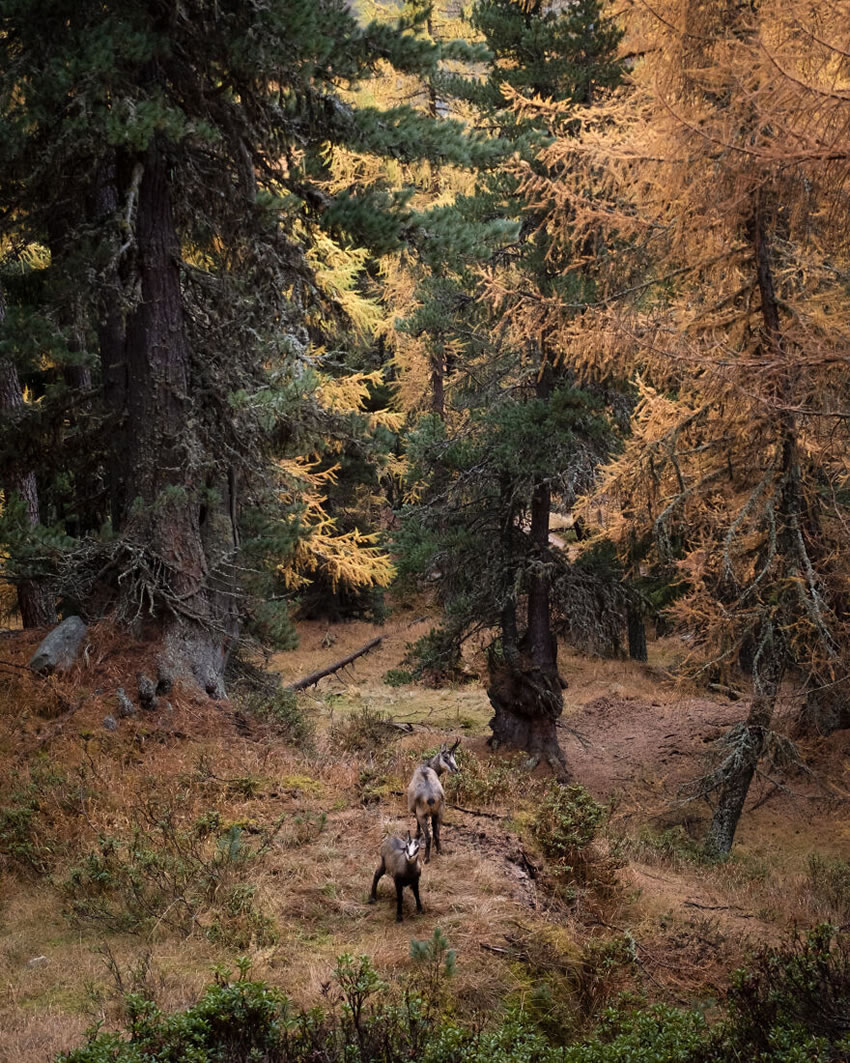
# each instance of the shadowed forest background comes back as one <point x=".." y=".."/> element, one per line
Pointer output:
<point x="378" y="375"/>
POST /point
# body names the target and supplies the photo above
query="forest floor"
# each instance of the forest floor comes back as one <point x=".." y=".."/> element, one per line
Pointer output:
<point x="147" y="855"/>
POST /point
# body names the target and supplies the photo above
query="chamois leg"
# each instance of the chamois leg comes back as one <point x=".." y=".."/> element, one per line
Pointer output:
<point x="425" y="824"/>
<point x="373" y="896"/>
<point x="399" y="890"/>
<point x="437" y="819"/>
<point x="414" y="885"/>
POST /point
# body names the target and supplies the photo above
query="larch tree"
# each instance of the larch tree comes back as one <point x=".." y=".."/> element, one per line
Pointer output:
<point x="161" y="153"/>
<point x="718" y="183"/>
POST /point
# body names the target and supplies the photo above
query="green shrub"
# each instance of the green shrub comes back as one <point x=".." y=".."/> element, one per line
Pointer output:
<point x="173" y="873"/>
<point x="29" y="815"/>
<point x="374" y="786"/>
<point x="282" y="710"/>
<point x="435" y="658"/>
<point x="489" y="780"/>
<point x="565" y="823"/>
<point x="397" y="677"/>
<point x="789" y="998"/>
<point x="436" y="963"/>
<point x="791" y="1006"/>
<point x="236" y="1022"/>
<point x="362" y="731"/>
<point x="672" y="846"/>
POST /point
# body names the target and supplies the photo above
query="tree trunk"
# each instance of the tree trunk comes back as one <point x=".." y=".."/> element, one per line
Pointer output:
<point x="770" y="654"/>
<point x="527" y="703"/>
<point x="35" y="601"/>
<point x="524" y="686"/>
<point x="637" y="635"/>
<point x="111" y="333"/>
<point x="155" y="467"/>
<point x="747" y="749"/>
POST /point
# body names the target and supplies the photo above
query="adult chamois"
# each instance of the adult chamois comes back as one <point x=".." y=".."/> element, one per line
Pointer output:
<point x="401" y="859"/>
<point x="425" y="795"/>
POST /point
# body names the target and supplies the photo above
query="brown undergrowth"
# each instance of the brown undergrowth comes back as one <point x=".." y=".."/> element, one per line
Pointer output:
<point x="196" y="832"/>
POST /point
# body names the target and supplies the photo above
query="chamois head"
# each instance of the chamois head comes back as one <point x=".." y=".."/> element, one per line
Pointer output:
<point x="411" y="849"/>
<point x="445" y="760"/>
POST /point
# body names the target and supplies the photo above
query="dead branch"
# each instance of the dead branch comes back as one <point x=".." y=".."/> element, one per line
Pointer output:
<point x="474" y="812"/>
<point x="495" y="948"/>
<point x="730" y="692"/>
<point x="314" y="677"/>
<point x="712" y="907"/>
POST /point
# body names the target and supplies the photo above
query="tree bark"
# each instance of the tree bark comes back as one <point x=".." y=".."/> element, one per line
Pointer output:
<point x="155" y="473"/>
<point x="747" y="750"/>
<point x="637" y="635"/>
<point x="770" y="654"/>
<point x="111" y="326"/>
<point x="35" y="601"/>
<point x="826" y="710"/>
<point x="524" y="686"/>
<point x="527" y="703"/>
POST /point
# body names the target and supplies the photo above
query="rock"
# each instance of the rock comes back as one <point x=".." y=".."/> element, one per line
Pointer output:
<point x="164" y="676"/>
<point x="109" y="723"/>
<point x="38" y="961"/>
<point x="147" y="691"/>
<point x="125" y="706"/>
<point x="59" y="649"/>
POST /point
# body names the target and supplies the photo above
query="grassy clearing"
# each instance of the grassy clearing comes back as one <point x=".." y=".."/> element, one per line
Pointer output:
<point x="236" y="831"/>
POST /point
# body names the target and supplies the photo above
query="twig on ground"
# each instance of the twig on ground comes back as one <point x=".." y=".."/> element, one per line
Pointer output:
<point x="475" y="812"/>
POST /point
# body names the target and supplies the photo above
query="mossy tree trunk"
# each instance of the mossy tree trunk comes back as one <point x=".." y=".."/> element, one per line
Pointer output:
<point x="769" y="649"/>
<point x="158" y="466"/>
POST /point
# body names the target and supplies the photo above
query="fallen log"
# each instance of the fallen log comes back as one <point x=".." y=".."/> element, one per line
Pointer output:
<point x="314" y="677"/>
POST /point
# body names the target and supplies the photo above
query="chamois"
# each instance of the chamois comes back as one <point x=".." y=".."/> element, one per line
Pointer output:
<point x="400" y="859"/>
<point x="425" y="795"/>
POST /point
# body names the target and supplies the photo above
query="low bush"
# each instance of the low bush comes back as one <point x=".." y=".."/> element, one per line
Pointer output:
<point x="363" y="730"/>
<point x="31" y="808"/>
<point x="282" y="710"/>
<point x="671" y="846"/>
<point x="565" y="823"/>
<point x="490" y="780"/>
<point x="829" y="883"/>
<point x="176" y="873"/>
<point x="397" y="677"/>
<point x="790" y="1006"/>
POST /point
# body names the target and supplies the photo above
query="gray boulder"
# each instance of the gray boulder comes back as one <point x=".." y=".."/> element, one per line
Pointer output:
<point x="147" y="691"/>
<point x="59" y="649"/>
<point x="125" y="705"/>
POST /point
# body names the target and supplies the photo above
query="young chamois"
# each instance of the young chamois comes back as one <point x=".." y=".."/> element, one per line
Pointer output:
<point x="400" y="859"/>
<point x="425" y="795"/>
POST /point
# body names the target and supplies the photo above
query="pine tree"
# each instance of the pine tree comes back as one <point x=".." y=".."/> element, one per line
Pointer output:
<point x="186" y="136"/>
<point x="514" y="392"/>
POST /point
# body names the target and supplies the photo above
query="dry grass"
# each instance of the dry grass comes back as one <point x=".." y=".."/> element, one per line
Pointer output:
<point x="690" y="922"/>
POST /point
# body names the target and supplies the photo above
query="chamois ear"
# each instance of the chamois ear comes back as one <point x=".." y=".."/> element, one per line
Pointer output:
<point x="408" y="837"/>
